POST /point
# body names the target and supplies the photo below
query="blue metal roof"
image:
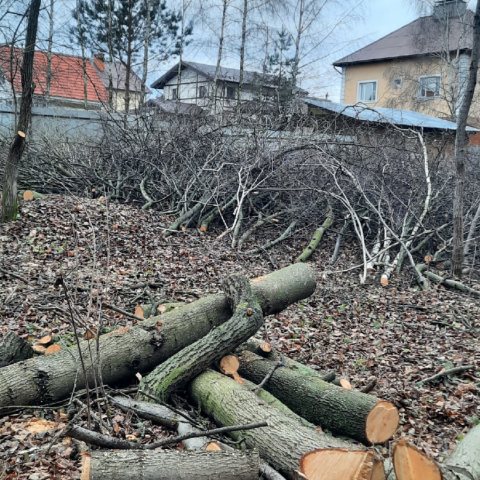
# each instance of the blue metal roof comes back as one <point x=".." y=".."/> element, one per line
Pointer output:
<point x="405" y="118"/>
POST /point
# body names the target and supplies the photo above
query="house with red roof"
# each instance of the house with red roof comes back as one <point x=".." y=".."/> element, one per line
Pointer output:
<point x="70" y="85"/>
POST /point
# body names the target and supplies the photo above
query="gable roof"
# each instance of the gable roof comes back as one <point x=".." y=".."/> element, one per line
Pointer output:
<point x="224" y="75"/>
<point x="119" y="75"/>
<point x="404" y="118"/>
<point x="421" y="37"/>
<point x="67" y="75"/>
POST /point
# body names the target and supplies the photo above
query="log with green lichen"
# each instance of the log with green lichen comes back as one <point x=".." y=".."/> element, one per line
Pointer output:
<point x="286" y="439"/>
<point x="316" y="239"/>
<point x="178" y="370"/>
<point x="345" y="412"/>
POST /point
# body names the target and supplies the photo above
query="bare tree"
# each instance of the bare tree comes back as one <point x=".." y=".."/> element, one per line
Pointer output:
<point x="9" y="191"/>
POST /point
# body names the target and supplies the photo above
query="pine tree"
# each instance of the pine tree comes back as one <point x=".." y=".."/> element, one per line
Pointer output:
<point x="126" y="37"/>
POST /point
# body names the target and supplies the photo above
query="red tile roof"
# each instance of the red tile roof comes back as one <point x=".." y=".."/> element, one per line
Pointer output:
<point x="67" y="79"/>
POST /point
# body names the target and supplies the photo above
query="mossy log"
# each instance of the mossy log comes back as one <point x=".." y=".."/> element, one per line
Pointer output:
<point x="344" y="412"/>
<point x="128" y="350"/>
<point x="282" y="444"/>
<point x="182" y="367"/>
<point x="169" y="465"/>
<point x="316" y="239"/>
<point x="14" y="349"/>
<point x="438" y="280"/>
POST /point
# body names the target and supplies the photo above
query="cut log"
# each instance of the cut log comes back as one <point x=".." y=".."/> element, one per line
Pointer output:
<point x="412" y="464"/>
<point x="14" y="349"/>
<point x="129" y="350"/>
<point x="31" y="195"/>
<point x="38" y="349"/>
<point x="438" y="280"/>
<point x="463" y="464"/>
<point x="282" y="444"/>
<point x="342" y="382"/>
<point x="337" y="464"/>
<point x="182" y="367"/>
<point x="258" y="347"/>
<point x="45" y="341"/>
<point x="53" y="349"/>
<point x="229" y="365"/>
<point x="170" y="465"/>
<point x="346" y="412"/>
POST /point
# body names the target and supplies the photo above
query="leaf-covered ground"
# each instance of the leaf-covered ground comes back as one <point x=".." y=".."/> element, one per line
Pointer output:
<point x="116" y="255"/>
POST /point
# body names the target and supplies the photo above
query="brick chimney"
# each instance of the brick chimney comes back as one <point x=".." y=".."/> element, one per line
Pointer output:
<point x="449" y="8"/>
<point x="99" y="61"/>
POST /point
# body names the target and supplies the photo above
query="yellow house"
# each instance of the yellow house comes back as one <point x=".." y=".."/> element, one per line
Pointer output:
<point x="422" y="66"/>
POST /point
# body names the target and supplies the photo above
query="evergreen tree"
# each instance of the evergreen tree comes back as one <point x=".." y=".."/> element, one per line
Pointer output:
<point x="280" y="64"/>
<point x="119" y="28"/>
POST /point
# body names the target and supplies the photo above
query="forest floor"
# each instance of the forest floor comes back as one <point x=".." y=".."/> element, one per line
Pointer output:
<point x="396" y="334"/>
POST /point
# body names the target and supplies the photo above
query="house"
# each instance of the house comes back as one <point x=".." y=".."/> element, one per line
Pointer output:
<point x="422" y="66"/>
<point x="67" y="84"/>
<point x="119" y="75"/>
<point x="196" y="86"/>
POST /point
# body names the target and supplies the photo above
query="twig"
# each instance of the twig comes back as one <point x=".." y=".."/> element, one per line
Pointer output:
<point x="369" y="386"/>
<point x="268" y="376"/>
<point x="105" y="441"/>
<point x="123" y="312"/>
<point x="447" y="372"/>
<point x="14" y="275"/>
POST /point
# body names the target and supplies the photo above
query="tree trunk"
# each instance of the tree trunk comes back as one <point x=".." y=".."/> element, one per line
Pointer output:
<point x="282" y="444"/>
<point x="10" y="175"/>
<point x="344" y="412"/>
<point x="220" y="53"/>
<point x="49" y="51"/>
<point x="145" y="51"/>
<point x="128" y="66"/>
<point x="170" y="465"/>
<point x="447" y="282"/>
<point x="141" y="348"/>
<point x="460" y="146"/>
<point x="110" y="54"/>
<point x="14" y="349"/>
<point x="242" y="55"/>
<point x="317" y="238"/>
<point x="178" y="370"/>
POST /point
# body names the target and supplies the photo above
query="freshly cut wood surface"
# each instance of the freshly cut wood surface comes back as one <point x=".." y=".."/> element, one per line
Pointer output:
<point x="139" y="311"/>
<point x="337" y="464"/>
<point x="53" y="349"/>
<point x="38" y="349"/>
<point x="412" y="464"/>
<point x="213" y="447"/>
<point x="344" y="383"/>
<point x="266" y="347"/>
<point x="382" y="422"/>
<point x="44" y="341"/>
<point x="229" y="365"/>
<point x="28" y="194"/>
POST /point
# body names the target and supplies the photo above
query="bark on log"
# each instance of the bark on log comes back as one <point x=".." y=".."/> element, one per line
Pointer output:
<point x="282" y="444"/>
<point x="170" y="465"/>
<point x="141" y="348"/>
<point x="345" y="412"/>
<point x="182" y="367"/>
<point x="14" y="349"/>
<point x="316" y="239"/>
<point x="447" y="282"/>
<point x="260" y="348"/>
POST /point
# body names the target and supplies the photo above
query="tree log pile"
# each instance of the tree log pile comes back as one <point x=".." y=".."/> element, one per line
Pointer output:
<point x="277" y="414"/>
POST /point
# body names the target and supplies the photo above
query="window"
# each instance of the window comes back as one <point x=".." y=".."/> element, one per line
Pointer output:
<point x="231" y="93"/>
<point x="202" y="91"/>
<point x="174" y="93"/>
<point x="429" y="87"/>
<point x="397" y="83"/>
<point x="367" y="91"/>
